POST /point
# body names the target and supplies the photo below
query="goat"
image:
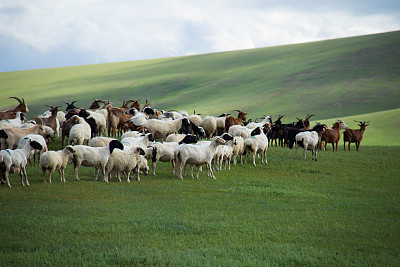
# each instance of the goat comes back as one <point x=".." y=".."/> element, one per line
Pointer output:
<point x="332" y="135"/>
<point x="230" y="120"/>
<point x="354" y="136"/>
<point x="115" y="120"/>
<point x="11" y="136"/>
<point x="11" y="113"/>
<point x="16" y="160"/>
<point x="51" y="121"/>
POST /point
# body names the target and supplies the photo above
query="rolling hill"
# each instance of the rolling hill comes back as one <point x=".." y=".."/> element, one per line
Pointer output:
<point x="354" y="78"/>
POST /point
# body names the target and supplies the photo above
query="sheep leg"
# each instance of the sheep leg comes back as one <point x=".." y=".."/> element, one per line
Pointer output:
<point x="76" y="168"/>
<point x="44" y="175"/>
<point x="254" y="158"/>
<point x="7" y="174"/>
<point x="153" y="167"/>
<point x="208" y="165"/>
<point x="103" y="172"/>
<point x="173" y="167"/>
<point x="304" y="152"/>
<point x="180" y="176"/>
<point x="198" y="171"/>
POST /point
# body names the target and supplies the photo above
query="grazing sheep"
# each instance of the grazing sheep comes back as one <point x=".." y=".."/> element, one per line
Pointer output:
<point x="52" y="161"/>
<point x="96" y="157"/>
<point x="16" y="160"/>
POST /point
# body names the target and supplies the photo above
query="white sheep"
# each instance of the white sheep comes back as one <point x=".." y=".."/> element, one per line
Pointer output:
<point x="308" y="140"/>
<point x="196" y="119"/>
<point x="257" y="143"/>
<point x="96" y="157"/>
<point x="196" y="155"/>
<point x="144" y="141"/>
<point x="52" y="161"/>
<point x="175" y="137"/>
<point x="210" y="126"/>
<point x="34" y="137"/>
<point x="124" y="161"/>
<point x="16" y="160"/>
<point x="100" y="121"/>
<point x="100" y="141"/>
<point x="253" y="125"/>
<point x="131" y="134"/>
<point x="162" y="128"/>
<point x="238" y="150"/>
<point x="244" y="132"/>
<point x="80" y="132"/>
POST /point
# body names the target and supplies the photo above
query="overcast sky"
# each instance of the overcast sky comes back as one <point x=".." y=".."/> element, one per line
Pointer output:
<point x="53" y="33"/>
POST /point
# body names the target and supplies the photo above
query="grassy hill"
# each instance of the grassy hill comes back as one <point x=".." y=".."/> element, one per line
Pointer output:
<point x="332" y="79"/>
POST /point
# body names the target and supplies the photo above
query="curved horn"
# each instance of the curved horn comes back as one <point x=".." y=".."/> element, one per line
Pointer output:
<point x="309" y="116"/>
<point x="16" y="98"/>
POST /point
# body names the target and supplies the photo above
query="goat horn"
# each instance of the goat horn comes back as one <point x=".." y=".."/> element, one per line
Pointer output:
<point x="16" y="98"/>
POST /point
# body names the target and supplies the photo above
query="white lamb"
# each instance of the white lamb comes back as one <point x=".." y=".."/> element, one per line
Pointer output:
<point x="131" y="134"/>
<point x="16" y="160"/>
<point x="80" y="132"/>
<point x="52" y="161"/>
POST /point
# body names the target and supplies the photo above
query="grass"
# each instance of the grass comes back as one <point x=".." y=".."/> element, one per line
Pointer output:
<point x="342" y="211"/>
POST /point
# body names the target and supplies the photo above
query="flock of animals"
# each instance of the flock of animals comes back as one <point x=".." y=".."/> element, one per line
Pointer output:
<point x="183" y="139"/>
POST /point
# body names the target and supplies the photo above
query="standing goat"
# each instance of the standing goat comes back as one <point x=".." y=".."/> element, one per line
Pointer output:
<point x="332" y="135"/>
<point x="355" y="136"/>
<point x="10" y="114"/>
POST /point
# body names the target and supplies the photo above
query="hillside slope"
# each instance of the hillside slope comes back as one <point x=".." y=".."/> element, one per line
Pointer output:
<point x="334" y="78"/>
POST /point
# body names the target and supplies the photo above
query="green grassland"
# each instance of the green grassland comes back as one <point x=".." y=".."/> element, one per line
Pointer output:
<point x="332" y="79"/>
<point x="340" y="211"/>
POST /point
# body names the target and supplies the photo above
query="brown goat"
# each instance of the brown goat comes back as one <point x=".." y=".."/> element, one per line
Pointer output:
<point x="116" y="119"/>
<point x="230" y="120"/>
<point x="332" y="135"/>
<point x="11" y="113"/>
<point x="50" y="121"/>
<point x="355" y="136"/>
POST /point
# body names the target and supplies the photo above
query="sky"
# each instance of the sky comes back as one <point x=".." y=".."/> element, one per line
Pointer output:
<point x="55" y="33"/>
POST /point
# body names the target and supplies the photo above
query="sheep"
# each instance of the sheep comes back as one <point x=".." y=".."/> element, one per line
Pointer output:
<point x="257" y="143"/>
<point x="131" y="134"/>
<point x="11" y="113"/>
<point x="238" y="150"/>
<point x="13" y="160"/>
<point x="355" y="136"/>
<point x="100" y="141"/>
<point x="162" y="128"/>
<point x="13" y="123"/>
<point x="124" y="161"/>
<point x="80" y="132"/>
<point x="164" y="151"/>
<point x="221" y="124"/>
<point x="55" y="161"/>
<point x="196" y="155"/>
<point x="196" y="119"/>
<point x="224" y="153"/>
<point x="34" y="137"/>
<point x="143" y="141"/>
<point x="210" y="126"/>
<point x="96" y="157"/>
<point x="11" y="136"/>
<point x="310" y="140"/>
<point x="175" y="137"/>
<point x="243" y="131"/>
<point x="174" y="115"/>
<point x="143" y="166"/>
